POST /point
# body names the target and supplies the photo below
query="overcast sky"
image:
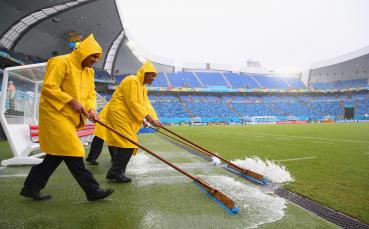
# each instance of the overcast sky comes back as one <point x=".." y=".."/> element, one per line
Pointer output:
<point x="283" y="35"/>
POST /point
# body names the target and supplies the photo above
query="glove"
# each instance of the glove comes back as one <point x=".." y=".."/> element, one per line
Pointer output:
<point x="149" y="119"/>
<point x="92" y="115"/>
<point x="145" y="124"/>
<point x="152" y="121"/>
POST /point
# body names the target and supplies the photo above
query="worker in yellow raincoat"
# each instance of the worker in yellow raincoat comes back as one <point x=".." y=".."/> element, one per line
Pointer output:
<point x="98" y="140"/>
<point x="126" y="112"/>
<point x="67" y="97"/>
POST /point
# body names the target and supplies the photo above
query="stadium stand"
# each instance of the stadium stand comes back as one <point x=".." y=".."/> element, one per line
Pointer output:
<point x="218" y="105"/>
<point x="295" y="83"/>
<point x="210" y="79"/>
<point x="271" y="82"/>
<point x="341" y="84"/>
<point x="362" y="104"/>
<point x="102" y="75"/>
<point x="168" y="106"/>
<point x="221" y="105"/>
<point x="19" y="57"/>
<point x="184" y="79"/>
<point x="173" y="106"/>
<point x="107" y="96"/>
<point x="224" y="80"/>
<point x="160" y="81"/>
<point x="241" y="81"/>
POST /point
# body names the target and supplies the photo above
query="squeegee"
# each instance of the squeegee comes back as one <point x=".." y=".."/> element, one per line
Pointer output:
<point x="242" y="172"/>
<point x="219" y="197"/>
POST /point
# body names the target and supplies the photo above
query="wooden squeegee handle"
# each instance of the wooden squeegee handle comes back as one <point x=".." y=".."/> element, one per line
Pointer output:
<point x="207" y="151"/>
<point x="156" y="155"/>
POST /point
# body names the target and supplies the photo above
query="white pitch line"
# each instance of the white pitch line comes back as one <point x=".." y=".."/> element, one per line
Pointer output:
<point x="323" y="142"/>
<point x="2" y="167"/>
<point x="297" y="159"/>
<point x="13" y="175"/>
<point x="288" y="136"/>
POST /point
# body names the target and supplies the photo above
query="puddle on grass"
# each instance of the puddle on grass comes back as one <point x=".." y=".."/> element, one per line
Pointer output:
<point x="146" y="164"/>
<point x="258" y="206"/>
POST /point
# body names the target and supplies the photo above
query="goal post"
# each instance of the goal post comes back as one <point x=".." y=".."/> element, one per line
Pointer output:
<point x="19" y="101"/>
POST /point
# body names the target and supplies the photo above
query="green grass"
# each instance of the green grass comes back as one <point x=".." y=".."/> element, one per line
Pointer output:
<point x="337" y="177"/>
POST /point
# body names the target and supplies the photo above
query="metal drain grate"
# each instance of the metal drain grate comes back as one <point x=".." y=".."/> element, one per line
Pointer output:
<point x="322" y="211"/>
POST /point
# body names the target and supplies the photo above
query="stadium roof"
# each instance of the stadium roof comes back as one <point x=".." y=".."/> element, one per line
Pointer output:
<point x="41" y="28"/>
<point x="340" y="59"/>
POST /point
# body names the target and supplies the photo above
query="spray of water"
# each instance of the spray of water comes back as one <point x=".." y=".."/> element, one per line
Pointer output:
<point x="215" y="161"/>
<point x="276" y="172"/>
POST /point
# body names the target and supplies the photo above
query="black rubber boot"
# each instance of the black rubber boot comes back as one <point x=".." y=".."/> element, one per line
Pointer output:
<point x="99" y="194"/>
<point x="91" y="161"/>
<point x="111" y="175"/>
<point x="116" y="172"/>
<point x="35" y="195"/>
<point x="120" y="178"/>
<point x="116" y="168"/>
<point x="123" y="179"/>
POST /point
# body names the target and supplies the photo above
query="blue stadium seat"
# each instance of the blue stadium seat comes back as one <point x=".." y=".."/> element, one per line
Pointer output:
<point x="168" y="106"/>
<point x="295" y="83"/>
<point x="160" y="81"/>
<point x="204" y="106"/>
<point x="241" y="81"/>
<point x="271" y="82"/>
<point x="216" y="79"/>
<point x="341" y="84"/>
<point x="102" y="75"/>
<point x="211" y="79"/>
<point x="183" y="79"/>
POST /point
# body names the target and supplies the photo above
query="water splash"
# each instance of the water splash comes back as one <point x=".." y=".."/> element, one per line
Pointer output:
<point x="215" y="161"/>
<point x="274" y="171"/>
<point x="254" y="202"/>
<point x="257" y="208"/>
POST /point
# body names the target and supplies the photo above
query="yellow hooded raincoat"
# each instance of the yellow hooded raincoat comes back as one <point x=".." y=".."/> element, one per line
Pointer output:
<point x="65" y="79"/>
<point x="128" y="107"/>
